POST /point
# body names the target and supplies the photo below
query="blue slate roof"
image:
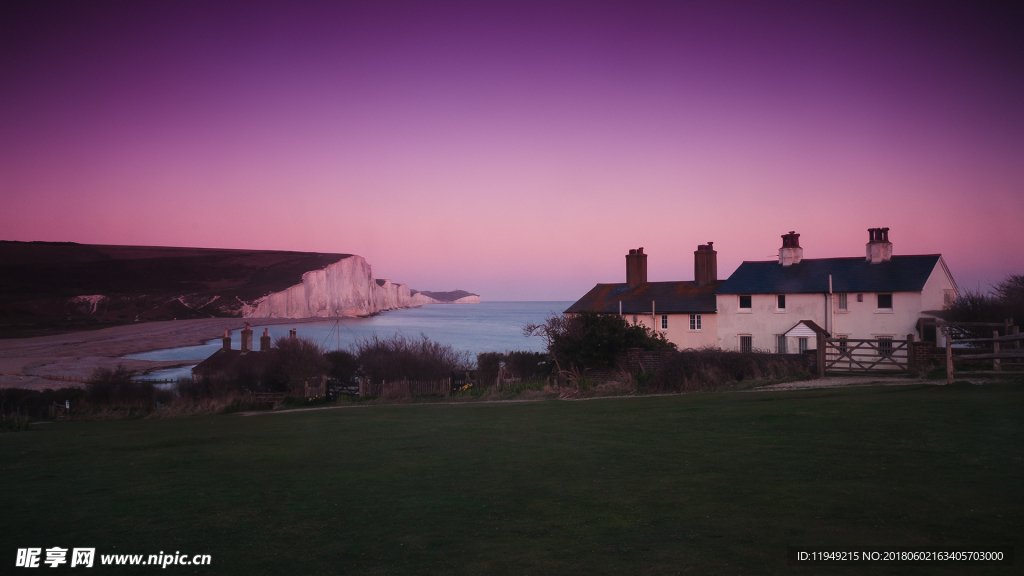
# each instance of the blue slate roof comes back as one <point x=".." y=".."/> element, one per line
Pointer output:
<point x="900" y="274"/>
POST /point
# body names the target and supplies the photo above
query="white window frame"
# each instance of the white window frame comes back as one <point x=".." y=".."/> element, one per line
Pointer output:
<point x="781" y="310"/>
<point x="740" y="337"/>
<point x="844" y="302"/>
<point x="664" y="321"/>
<point x="892" y="341"/>
<point x="892" y="298"/>
<point x="695" y="323"/>
<point x="781" y="344"/>
<point x="739" y="301"/>
<point x="801" y="344"/>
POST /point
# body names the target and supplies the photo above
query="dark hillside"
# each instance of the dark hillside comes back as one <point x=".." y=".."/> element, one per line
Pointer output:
<point x="39" y="283"/>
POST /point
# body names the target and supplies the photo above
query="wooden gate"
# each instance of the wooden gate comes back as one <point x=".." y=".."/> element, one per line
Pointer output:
<point x="867" y="356"/>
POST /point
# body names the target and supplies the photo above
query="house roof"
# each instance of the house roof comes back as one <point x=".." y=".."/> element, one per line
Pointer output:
<point x="668" y="297"/>
<point x="900" y="274"/>
<point x="811" y="325"/>
<point x="224" y="361"/>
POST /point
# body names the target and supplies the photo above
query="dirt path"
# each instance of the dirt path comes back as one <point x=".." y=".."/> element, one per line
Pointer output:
<point x="25" y="361"/>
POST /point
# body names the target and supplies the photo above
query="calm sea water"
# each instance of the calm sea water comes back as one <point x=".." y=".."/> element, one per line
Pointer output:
<point x="473" y="328"/>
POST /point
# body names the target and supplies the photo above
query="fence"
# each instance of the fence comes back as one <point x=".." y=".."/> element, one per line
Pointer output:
<point x="1003" y="360"/>
<point x="403" y="388"/>
<point x="866" y="355"/>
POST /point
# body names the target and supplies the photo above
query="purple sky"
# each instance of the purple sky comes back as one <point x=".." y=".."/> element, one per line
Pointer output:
<point x="518" y="150"/>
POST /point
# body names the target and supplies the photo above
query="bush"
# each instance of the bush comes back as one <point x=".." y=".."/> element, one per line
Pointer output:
<point x="295" y="361"/>
<point x="115" y="388"/>
<point x="521" y="364"/>
<point x="401" y="358"/>
<point x="1006" y="300"/>
<point x="711" y="368"/>
<point x="344" y="366"/>
<point x="590" y="340"/>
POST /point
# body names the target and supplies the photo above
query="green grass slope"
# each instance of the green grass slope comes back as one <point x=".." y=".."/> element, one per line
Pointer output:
<point x="701" y="484"/>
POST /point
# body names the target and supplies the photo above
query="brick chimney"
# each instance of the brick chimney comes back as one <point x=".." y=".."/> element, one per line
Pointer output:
<point x="246" y="339"/>
<point x="879" y="249"/>
<point x="705" y="265"/>
<point x="636" y="268"/>
<point x="791" y="252"/>
<point x="226" y="340"/>
<point x="265" y="341"/>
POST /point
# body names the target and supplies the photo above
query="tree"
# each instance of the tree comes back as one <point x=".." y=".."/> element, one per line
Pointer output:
<point x="586" y="340"/>
<point x="295" y="361"/>
<point x="1005" y="300"/>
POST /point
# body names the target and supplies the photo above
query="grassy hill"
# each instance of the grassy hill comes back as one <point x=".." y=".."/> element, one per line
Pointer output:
<point x="714" y="483"/>
<point x="39" y="283"/>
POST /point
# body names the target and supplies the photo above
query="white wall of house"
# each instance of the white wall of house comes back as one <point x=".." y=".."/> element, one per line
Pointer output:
<point x="679" y="332"/>
<point x="763" y="321"/>
<point x="861" y="320"/>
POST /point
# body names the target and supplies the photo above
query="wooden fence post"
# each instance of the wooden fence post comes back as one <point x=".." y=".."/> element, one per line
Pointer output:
<point x="996" y="364"/>
<point x="821" y="355"/>
<point x="911" y="360"/>
<point x="949" y="358"/>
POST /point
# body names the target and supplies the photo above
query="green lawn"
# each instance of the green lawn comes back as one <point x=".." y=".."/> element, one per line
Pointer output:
<point x="700" y="483"/>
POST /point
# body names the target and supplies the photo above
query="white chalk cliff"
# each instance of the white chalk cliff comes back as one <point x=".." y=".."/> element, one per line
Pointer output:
<point x="345" y="288"/>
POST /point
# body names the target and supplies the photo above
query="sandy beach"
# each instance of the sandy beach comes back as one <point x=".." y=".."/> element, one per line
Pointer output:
<point x="41" y="362"/>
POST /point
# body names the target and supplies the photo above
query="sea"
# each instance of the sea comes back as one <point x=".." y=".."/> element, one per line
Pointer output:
<point x="472" y="328"/>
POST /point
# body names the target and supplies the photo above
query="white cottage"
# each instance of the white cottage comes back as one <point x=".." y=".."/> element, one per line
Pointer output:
<point x="773" y="305"/>
<point x="684" y="311"/>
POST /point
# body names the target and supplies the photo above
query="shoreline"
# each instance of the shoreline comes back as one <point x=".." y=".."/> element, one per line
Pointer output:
<point x="26" y="362"/>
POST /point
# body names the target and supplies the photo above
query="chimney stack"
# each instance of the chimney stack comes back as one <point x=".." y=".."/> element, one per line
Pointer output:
<point x="636" y="268"/>
<point x="705" y="265"/>
<point x="265" y="341"/>
<point x="226" y="340"/>
<point x="791" y="252"/>
<point x="879" y="249"/>
<point x="246" y="339"/>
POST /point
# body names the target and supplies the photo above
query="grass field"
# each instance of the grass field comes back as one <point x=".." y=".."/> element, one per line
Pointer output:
<point x="702" y="483"/>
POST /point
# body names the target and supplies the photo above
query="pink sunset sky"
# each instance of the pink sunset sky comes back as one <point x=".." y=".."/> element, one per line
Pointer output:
<point x="518" y="150"/>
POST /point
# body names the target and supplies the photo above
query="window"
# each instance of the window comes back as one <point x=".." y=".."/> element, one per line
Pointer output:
<point x="694" y="321"/>
<point x="948" y="297"/>
<point x="885" y="301"/>
<point x="745" y="302"/>
<point x="801" y="344"/>
<point x="885" y="346"/>
<point x="860" y="297"/>
<point x="842" y="345"/>
<point x="780" y="346"/>
<point x="634" y="318"/>
<point x="781" y="302"/>
<point x="746" y="344"/>
<point x="842" y="302"/>
<point x="664" y="321"/>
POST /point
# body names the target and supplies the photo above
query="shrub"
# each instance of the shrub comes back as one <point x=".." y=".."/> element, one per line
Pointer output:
<point x="590" y="340"/>
<point x="293" y="362"/>
<point x="402" y="358"/>
<point x="108" y="388"/>
<point x="1006" y="300"/>
<point x="711" y="368"/>
<point x="521" y="364"/>
<point x="344" y="366"/>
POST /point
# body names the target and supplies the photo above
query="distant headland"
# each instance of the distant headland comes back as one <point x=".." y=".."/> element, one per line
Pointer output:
<point x="48" y="287"/>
